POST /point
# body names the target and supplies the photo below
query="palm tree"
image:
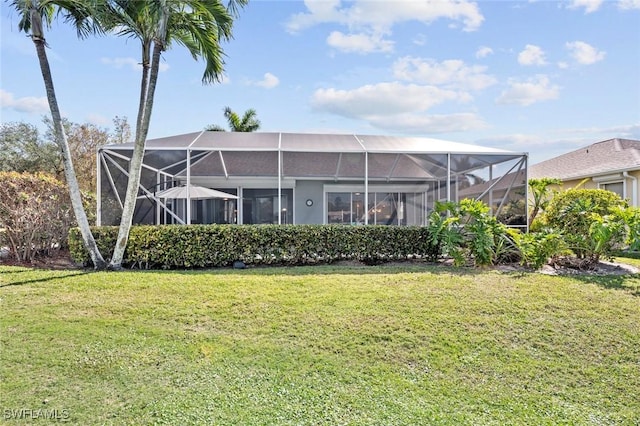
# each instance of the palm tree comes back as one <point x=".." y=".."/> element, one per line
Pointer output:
<point x="198" y="25"/>
<point x="34" y="16"/>
<point x="247" y="123"/>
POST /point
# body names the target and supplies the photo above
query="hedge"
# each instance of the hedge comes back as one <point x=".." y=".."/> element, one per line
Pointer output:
<point x="204" y="246"/>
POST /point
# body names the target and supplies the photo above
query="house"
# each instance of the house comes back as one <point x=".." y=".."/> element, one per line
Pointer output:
<point x="299" y="178"/>
<point x="612" y="164"/>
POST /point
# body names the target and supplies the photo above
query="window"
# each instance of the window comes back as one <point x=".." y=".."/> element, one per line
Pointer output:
<point x="260" y="206"/>
<point x="384" y="208"/>
<point x="617" y="187"/>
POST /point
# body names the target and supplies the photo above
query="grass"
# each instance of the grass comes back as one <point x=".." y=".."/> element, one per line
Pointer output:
<point x="326" y="345"/>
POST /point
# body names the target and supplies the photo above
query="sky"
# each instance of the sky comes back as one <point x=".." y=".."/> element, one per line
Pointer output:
<point x="543" y="77"/>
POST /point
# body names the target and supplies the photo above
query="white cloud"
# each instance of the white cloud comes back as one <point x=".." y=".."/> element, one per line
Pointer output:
<point x="416" y="123"/>
<point x="97" y="119"/>
<point x="269" y="81"/>
<point x="359" y="43"/>
<point x="629" y="4"/>
<point x="132" y="63"/>
<point x="397" y="107"/>
<point x="452" y="73"/>
<point x="28" y="104"/>
<point x="531" y="55"/>
<point x="483" y="52"/>
<point x="376" y="17"/>
<point x="588" y="5"/>
<point x="513" y="141"/>
<point x="584" y="53"/>
<point x="381" y="99"/>
<point x="378" y="14"/>
<point x="536" y="89"/>
<point x="420" y="40"/>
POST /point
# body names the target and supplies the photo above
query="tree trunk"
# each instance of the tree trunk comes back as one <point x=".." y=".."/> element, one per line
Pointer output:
<point x="61" y="139"/>
<point x="135" y="166"/>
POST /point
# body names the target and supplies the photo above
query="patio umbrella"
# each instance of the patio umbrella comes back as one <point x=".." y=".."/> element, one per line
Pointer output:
<point x="195" y="193"/>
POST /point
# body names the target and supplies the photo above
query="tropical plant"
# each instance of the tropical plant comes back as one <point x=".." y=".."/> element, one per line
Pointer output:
<point x="631" y="217"/>
<point x="467" y="232"/>
<point x="589" y="221"/>
<point x="541" y="195"/>
<point x="536" y="248"/>
<point x="34" y="16"/>
<point x="247" y="123"/>
<point x="445" y="233"/>
<point x="198" y="25"/>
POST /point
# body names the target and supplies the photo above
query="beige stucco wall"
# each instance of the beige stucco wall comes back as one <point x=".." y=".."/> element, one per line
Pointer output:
<point x="591" y="184"/>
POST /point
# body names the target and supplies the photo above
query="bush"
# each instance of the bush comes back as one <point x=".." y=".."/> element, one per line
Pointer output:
<point x="467" y="232"/>
<point x="536" y="248"/>
<point x="201" y="246"/>
<point x="35" y="213"/>
<point x="591" y="221"/>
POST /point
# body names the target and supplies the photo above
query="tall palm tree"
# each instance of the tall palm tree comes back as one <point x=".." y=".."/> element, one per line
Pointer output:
<point x="34" y="16"/>
<point x="247" y="123"/>
<point x="198" y="25"/>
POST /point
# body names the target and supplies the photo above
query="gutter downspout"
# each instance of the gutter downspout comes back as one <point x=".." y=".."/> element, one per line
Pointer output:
<point x="634" y="188"/>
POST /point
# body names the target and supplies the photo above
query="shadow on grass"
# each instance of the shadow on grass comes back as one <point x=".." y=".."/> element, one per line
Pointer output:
<point x="629" y="283"/>
<point x="336" y="269"/>
<point x="42" y="279"/>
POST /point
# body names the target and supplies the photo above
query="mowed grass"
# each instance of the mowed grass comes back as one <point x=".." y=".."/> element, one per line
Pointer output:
<point x="328" y="345"/>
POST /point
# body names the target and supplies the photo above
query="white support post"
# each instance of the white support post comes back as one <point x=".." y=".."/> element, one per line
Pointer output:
<point x="280" y="180"/>
<point x="448" y="177"/>
<point x="98" y="189"/>
<point x="366" y="187"/>
<point x="188" y="209"/>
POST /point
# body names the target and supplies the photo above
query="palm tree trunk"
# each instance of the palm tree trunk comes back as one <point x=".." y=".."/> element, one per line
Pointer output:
<point x="135" y="166"/>
<point x="61" y="139"/>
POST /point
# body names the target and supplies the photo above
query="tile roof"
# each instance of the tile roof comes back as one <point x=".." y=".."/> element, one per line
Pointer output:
<point x="610" y="156"/>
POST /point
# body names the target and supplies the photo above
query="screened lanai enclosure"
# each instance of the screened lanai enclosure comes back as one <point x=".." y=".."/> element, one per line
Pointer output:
<point x="293" y="178"/>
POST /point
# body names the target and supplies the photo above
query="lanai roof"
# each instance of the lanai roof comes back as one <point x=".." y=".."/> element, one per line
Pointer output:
<point x="314" y="155"/>
<point x="311" y="142"/>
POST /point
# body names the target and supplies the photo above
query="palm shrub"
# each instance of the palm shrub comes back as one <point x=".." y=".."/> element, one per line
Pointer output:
<point x="591" y="221"/>
<point x="468" y="233"/>
<point x="536" y="248"/>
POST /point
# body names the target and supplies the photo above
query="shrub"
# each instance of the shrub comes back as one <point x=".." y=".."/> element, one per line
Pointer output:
<point x="467" y="232"/>
<point x="536" y="248"/>
<point x="35" y="213"/>
<point x="589" y="220"/>
<point x="201" y="246"/>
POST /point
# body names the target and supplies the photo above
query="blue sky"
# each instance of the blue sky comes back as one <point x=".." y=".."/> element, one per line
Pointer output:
<point x="542" y="77"/>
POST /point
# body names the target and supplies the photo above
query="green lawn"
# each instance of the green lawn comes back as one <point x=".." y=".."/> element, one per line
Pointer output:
<point x="326" y="345"/>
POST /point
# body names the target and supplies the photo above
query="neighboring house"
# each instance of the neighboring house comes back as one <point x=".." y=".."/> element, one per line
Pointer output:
<point x="275" y="178"/>
<point x="613" y="165"/>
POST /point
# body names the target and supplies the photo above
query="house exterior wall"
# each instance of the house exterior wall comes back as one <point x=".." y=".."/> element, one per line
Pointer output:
<point x="308" y="190"/>
<point x="630" y="184"/>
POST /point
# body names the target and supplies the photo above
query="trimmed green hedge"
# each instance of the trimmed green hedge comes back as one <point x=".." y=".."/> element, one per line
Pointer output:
<point x="203" y="246"/>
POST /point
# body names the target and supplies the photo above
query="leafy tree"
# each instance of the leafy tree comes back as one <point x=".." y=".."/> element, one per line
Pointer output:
<point x="34" y="16"/>
<point x="121" y="130"/>
<point x="198" y="25"/>
<point x="22" y="149"/>
<point x="247" y="123"/>
<point x="84" y="141"/>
